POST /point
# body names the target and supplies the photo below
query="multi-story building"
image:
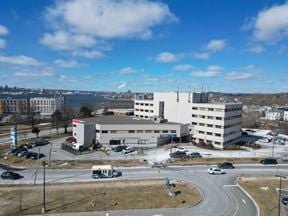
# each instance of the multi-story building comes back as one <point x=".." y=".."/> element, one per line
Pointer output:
<point x="10" y="105"/>
<point x="273" y="114"/>
<point x="47" y="106"/>
<point x="285" y="115"/>
<point x="218" y="124"/>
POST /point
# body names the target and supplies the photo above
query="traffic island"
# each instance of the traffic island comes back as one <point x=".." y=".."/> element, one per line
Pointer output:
<point x="264" y="190"/>
<point x="104" y="195"/>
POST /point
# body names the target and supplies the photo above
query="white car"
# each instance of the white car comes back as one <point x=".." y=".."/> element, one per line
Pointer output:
<point x="77" y="146"/>
<point x="216" y="171"/>
<point x="180" y="149"/>
<point x="128" y="150"/>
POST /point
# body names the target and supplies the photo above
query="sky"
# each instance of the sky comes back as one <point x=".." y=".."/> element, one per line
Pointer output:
<point x="238" y="46"/>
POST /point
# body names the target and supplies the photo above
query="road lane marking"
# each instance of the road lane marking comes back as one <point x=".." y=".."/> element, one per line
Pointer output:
<point x="235" y="200"/>
<point x="243" y="200"/>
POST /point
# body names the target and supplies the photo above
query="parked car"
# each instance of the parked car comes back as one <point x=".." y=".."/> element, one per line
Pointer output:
<point x="29" y="145"/>
<point x="119" y="148"/>
<point x="28" y="154"/>
<point x="22" y="152"/>
<point x="225" y="165"/>
<point x="116" y="173"/>
<point x="180" y="149"/>
<point x="128" y="150"/>
<point x="216" y="171"/>
<point x="269" y="161"/>
<point x="11" y="175"/>
<point x="178" y="155"/>
<point x="285" y="200"/>
<point x="194" y="155"/>
<point x="77" y="146"/>
<point x="42" y="142"/>
<point x="71" y="140"/>
<point x="35" y="155"/>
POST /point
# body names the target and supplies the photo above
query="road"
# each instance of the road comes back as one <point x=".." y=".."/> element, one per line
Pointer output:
<point x="221" y="196"/>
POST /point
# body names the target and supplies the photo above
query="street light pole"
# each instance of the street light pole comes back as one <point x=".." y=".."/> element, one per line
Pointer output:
<point x="280" y="188"/>
<point x="44" y="201"/>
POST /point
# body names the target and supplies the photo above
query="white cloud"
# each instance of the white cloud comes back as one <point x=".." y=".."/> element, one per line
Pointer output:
<point x="62" y="40"/>
<point x="249" y="67"/>
<point x="67" y="64"/>
<point x="72" y="79"/>
<point x="255" y="49"/>
<point x="168" y="57"/>
<point x="3" y="30"/>
<point x="122" y="85"/>
<point x="206" y="73"/>
<point x="109" y="18"/>
<point x="235" y="75"/>
<point x="215" y="68"/>
<point x="89" y="54"/>
<point x="2" y="43"/>
<point x="215" y="45"/>
<point x="19" y="60"/>
<point x="203" y="55"/>
<point x="271" y="24"/>
<point x="183" y="67"/>
<point x="212" y="71"/>
<point x="44" y="73"/>
<point x="129" y="70"/>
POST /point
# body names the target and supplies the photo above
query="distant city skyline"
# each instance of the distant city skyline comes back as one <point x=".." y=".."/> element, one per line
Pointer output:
<point x="225" y="46"/>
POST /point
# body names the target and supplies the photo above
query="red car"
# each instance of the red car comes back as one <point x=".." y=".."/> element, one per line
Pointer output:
<point x="71" y="140"/>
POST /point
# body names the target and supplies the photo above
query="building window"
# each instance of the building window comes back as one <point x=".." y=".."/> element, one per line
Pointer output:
<point x="210" y="117"/>
<point x="97" y="131"/>
<point x="201" y="124"/>
<point x="210" y="109"/>
<point x="173" y="131"/>
<point x="104" y="131"/>
<point x="194" y="123"/>
<point x="131" y="131"/>
<point x="148" y="131"/>
<point x="218" y="135"/>
<point x="194" y="116"/>
<point x="217" y="143"/>
<point x="209" y="125"/>
<point x="143" y="141"/>
<point x="139" y="131"/>
<point x="113" y="131"/>
<point x="74" y="125"/>
<point x="194" y="108"/>
<point x="156" y="131"/>
<point x="165" y="131"/>
<point x="201" y="132"/>
<point x="218" y="126"/>
<point x="209" y="133"/>
<point x="218" y="118"/>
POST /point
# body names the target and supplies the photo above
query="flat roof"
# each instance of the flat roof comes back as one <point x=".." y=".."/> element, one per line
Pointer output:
<point x="120" y="120"/>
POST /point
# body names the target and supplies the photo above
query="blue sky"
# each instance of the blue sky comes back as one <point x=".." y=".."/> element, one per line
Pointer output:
<point x="145" y="46"/>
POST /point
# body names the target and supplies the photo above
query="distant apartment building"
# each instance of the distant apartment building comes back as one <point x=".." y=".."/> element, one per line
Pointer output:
<point x="10" y="105"/>
<point x="216" y="123"/>
<point x="47" y="106"/>
<point x="285" y="116"/>
<point x="273" y="114"/>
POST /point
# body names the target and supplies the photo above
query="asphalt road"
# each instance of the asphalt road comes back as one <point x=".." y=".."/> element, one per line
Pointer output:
<point x="220" y="194"/>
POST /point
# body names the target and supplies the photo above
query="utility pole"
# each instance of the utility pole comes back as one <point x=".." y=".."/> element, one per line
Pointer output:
<point x="280" y="188"/>
<point x="44" y="201"/>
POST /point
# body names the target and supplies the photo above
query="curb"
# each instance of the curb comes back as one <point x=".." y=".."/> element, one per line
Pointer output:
<point x="247" y="194"/>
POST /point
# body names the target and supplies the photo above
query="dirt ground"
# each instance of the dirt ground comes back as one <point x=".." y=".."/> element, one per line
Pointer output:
<point x="263" y="191"/>
<point x="95" y="196"/>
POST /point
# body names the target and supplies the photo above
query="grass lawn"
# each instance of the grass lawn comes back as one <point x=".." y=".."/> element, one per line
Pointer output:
<point x="263" y="191"/>
<point x="95" y="196"/>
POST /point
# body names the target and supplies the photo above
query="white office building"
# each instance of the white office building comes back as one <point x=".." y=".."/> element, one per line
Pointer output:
<point x="125" y="130"/>
<point x="217" y="124"/>
<point x="285" y="116"/>
<point x="273" y="114"/>
<point x="47" y="106"/>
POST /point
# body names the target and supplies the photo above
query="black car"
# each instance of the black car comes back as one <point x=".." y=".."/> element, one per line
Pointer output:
<point x="35" y="155"/>
<point x="194" y="155"/>
<point x="29" y="145"/>
<point x="178" y="155"/>
<point x="285" y="200"/>
<point x="119" y="148"/>
<point x="269" y="161"/>
<point x="226" y="165"/>
<point x="11" y="175"/>
<point x="27" y="154"/>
